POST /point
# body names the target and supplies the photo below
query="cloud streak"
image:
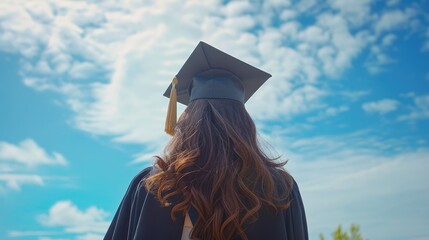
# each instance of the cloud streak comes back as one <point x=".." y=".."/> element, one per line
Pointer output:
<point x="418" y="111"/>
<point x="381" y="107"/>
<point x="18" y="163"/>
<point x="29" y="153"/>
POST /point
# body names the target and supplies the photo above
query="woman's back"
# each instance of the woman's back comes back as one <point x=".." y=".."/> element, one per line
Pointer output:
<point x="213" y="167"/>
<point x="140" y="216"/>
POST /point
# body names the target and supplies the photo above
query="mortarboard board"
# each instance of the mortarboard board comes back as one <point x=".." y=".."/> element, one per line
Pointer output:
<point x="211" y="73"/>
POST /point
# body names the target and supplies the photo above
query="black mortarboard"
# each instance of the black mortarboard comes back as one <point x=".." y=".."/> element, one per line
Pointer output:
<point x="211" y="73"/>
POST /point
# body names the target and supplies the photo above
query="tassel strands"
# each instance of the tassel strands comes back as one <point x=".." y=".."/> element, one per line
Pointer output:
<point x="171" y="121"/>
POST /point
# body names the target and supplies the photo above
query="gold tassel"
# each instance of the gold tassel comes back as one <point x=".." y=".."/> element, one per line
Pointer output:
<point x="171" y="121"/>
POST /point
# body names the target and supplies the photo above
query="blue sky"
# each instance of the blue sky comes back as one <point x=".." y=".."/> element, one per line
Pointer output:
<point x="82" y="111"/>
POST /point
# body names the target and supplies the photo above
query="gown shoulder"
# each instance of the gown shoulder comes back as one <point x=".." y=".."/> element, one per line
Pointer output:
<point x="141" y="216"/>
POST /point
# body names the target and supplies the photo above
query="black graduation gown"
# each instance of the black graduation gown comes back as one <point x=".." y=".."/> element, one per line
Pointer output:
<point x="141" y="217"/>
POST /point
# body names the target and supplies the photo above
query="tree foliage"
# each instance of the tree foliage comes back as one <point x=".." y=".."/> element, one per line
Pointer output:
<point x="339" y="234"/>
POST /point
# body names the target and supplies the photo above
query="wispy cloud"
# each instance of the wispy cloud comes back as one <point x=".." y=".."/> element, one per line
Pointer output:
<point x="354" y="95"/>
<point x="379" y="59"/>
<point x="15" y="181"/>
<point x="392" y="2"/>
<point x="14" y="234"/>
<point x="18" y="163"/>
<point x="418" y="111"/>
<point x="329" y="112"/>
<point x="145" y="157"/>
<point x="382" y="106"/>
<point x="387" y="23"/>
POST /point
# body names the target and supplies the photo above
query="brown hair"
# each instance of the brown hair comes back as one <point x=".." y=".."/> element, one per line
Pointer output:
<point x="214" y="163"/>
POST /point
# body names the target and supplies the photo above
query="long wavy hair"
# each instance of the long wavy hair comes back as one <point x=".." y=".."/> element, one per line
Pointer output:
<point x="215" y="164"/>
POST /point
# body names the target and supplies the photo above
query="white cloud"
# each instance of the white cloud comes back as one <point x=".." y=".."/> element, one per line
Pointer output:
<point x="145" y="157"/>
<point x="288" y="14"/>
<point x="17" y="21"/>
<point x="90" y="236"/>
<point x="394" y="19"/>
<point x="17" y="163"/>
<point x="389" y="21"/>
<point x="382" y="106"/>
<point x="355" y="95"/>
<point x="88" y="224"/>
<point x="82" y="70"/>
<point x="356" y="12"/>
<point x="419" y="111"/>
<point x="74" y="220"/>
<point x="131" y="106"/>
<point x="388" y="40"/>
<point x="328" y="112"/>
<point x="306" y="5"/>
<point x="392" y="2"/>
<point x="29" y="153"/>
<point x="331" y="111"/>
<point x="299" y="101"/>
<point x="345" y="45"/>
<point x="314" y="34"/>
<point x="377" y="60"/>
<point x="238" y="8"/>
<point x="15" y="181"/>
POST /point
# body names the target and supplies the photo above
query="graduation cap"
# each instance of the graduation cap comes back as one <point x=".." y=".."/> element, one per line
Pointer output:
<point x="211" y="73"/>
